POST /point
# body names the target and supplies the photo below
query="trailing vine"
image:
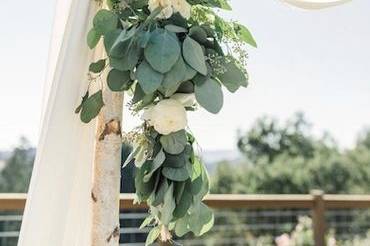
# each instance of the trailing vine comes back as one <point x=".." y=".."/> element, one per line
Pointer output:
<point x="172" y="56"/>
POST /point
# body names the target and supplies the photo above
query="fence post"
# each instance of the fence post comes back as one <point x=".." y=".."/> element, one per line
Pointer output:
<point x="318" y="217"/>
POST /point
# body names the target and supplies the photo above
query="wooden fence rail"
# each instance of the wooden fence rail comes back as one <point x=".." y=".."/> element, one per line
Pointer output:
<point x="317" y="202"/>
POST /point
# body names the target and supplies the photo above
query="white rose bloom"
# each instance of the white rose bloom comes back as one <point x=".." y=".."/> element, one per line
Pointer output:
<point x="167" y="116"/>
<point x="186" y="99"/>
<point x="166" y="6"/>
<point x="183" y="7"/>
<point x="171" y="6"/>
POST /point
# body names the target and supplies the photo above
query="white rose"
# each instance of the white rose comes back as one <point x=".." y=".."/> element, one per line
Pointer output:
<point x="186" y="99"/>
<point x="167" y="116"/>
<point x="166" y="6"/>
<point x="170" y="6"/>
<point x="183" y="7"/>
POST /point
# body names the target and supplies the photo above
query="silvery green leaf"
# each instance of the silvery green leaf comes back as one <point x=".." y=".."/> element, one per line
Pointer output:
<point x="174" y="143"/>
<point x="209" y="95"/>
<point x="194" y="56"/>
<point x="157" y="162"/>
<point x="169" y="206"/>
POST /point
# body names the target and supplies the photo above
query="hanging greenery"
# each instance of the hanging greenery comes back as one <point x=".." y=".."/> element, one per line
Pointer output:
<point x="171" y="55"/>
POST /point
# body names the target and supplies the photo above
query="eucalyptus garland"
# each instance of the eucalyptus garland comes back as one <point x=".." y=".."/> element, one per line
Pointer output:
<point x="171" y="56"/>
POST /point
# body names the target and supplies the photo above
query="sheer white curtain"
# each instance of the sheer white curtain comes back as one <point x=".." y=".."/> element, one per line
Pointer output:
<point x="58" y="210"/>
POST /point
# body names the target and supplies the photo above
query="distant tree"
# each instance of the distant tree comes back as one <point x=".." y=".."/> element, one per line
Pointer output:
<point x="16" y="174"/>
<point x="267" y="139"/>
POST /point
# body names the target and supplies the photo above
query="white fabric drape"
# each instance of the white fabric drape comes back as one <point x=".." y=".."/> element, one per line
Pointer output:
<point x="58" y="209"/>
<point x="315" y="4"/>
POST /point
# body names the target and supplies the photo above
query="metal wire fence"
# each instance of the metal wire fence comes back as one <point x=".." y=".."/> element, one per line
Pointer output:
<point x="235" y="227"/>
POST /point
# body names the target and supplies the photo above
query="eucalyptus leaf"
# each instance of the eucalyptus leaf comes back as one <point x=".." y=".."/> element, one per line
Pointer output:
<point x="244" y="34"/>
<point x="159" y="195"/>
<point x="152" y="236"/>
<point x="198" y="34"/>
<point x="182" y="226"/>
<point x="209" y="95"/>
<point x="91" y="107"/>
<point x="143" y="189"/>
<point x="175" y="174"/>
<point x="169" y="206"/>
<point x="105" y="21"/>
<point x="184" y="203"/>
<point x="149" y="79"/>
<point x="174" y="143"/>
<point x="157" y="162"/>
<point x="97" y="67"/>
<point x="162" y="51"/>
<point x="201" y="219"/>
<point x="148" y="220"/>
<point x="173" y="78"/>
<point x="93" y="38"/>
<point x="118" y="80"/>
<point x="190" y="72"/>
<point x="233" y="77"/>
<point x="194" y="56"/>
<point x="175" y="29"/>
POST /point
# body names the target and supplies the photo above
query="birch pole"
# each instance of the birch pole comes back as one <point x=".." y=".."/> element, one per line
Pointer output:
<point x="107" y="171"/>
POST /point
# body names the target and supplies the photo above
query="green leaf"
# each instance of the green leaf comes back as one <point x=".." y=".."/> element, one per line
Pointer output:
<point x="148" y="220"/>
<point x="233" y="77"/>
<point x="152" y="236"/>
<point x="175" y="29"/>
<point x="193" y="55"/>
<point x="105" y="21"/>
<point x="97" y="67"/>
<point x="201" y="219"/>
<point x="110" y="38"/>
<point x="143" y="189"/>
<point x="122" y="43"/>
<point x="198" y="34"/>
<point x="118" y="80"/>
<point x="91" y="107"/>
<point x="184" y="204"/>
<point x="159" y="196"/>
<point x="93" y="38"/>
<point x="173" y="78"/>
<point x="186" y="87"/>
<point x="78" y="109"/>
<point x="205" y="186"/>
<point x="149" y="79"/>
<point x="182" y="226"/>
<point x="196" y="178"/>
<point x="209" y="95"/>
<point x="162" y="51"/>
<point x="169" y="206"/>
<point x="190" y="73"/>
<point x="175" y="174"/>
<point x="244" y="34"/>
<point x="144" y="38"/>
<point x="157" y="162"/>
<point x="174" y="143"/>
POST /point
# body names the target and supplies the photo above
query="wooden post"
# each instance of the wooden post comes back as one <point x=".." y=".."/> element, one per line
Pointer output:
<point x="318" y="217"/>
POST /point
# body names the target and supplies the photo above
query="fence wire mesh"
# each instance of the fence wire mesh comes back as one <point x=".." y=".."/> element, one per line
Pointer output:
<point x="238" y="227"/>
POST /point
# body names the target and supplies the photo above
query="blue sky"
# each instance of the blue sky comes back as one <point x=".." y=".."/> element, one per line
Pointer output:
<point x="311" y="61"/>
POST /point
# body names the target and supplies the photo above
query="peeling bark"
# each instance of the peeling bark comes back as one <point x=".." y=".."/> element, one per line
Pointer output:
<point x="107" y="171"/>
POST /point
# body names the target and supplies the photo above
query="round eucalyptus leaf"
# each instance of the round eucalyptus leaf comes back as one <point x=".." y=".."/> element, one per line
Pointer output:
<point x="131" y="55"/>
<point x="149" y="79"/>
<point x="153" y="235"/>
<point x="194" y="56"/>
<point x="173" y="78"/>
<point x="174" y="143"/>
<point x="175" y="174"/>
<point x="162" y="51"/>
<point x="175" y="29"/>
<point x="233" y="77"/>
<point x="93" y="38"/>
<point x="97" y="67"/>
<point x="198" y="34"/>
<point x="110" y="38"/>
<point x="184" y="203"/>
<point x="118" y="80"/>
<point x="209" y="95"/>
<point x="186" y="87"/>
<point x="105" y="21"/>
<point x="91" y="107"/>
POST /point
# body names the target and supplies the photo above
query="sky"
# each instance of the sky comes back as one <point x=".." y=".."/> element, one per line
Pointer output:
<point x="317" y="62"/>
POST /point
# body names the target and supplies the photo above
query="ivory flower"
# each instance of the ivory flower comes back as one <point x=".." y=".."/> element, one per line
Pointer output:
<point x="183" y="7"/>
<point x="170" y="7"/>
<point x="167" y="116"/>
<point x="186" y="99"/>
